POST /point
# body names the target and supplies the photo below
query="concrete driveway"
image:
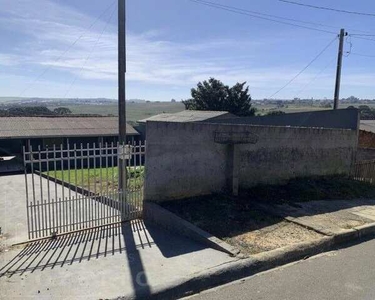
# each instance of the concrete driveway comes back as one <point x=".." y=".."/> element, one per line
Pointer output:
<point x="129" y="260"/>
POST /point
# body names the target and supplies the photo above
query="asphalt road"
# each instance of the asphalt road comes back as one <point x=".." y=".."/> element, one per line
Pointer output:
<point x="339" y="275"/>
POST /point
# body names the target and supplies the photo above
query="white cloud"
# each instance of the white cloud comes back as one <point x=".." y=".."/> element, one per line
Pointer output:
<point x="52" y="28"/>
<point x="8" y="60"/>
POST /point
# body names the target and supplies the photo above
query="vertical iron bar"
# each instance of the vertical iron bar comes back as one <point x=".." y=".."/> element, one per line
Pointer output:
<point x="101" y="208"/>
<point x="56" y="199"/>
<point x="75" y="178"/>
<point x="27" y="192"/>
<point x="68" y="159"/>
<point x="107" y="184"/>
<point x="43" y="231"/>
<point x="48" y="192"/>
<point x="39" y="228"/>
<point x="95" y="200"/>
<point x="85" y="200"/>
<point x="114" y="210"/>
<point x="91" y="216"/>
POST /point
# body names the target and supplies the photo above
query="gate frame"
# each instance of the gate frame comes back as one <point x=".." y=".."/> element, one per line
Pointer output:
<point x="57" y="214"/>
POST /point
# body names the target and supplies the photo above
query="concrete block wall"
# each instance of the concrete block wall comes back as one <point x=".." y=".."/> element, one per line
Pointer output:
<point x="184" y="161"/>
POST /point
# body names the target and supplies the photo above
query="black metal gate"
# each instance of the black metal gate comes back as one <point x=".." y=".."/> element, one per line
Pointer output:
<point x="72" y="189"/>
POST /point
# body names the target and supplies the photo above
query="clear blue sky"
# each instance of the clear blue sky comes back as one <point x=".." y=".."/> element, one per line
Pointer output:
<point x="173" y="44"/>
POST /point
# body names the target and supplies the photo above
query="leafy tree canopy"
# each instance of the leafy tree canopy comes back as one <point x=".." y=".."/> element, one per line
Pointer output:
<point x="62" y="111"/>
<point x="214" y="95"/>
<point x="275" y="113"/>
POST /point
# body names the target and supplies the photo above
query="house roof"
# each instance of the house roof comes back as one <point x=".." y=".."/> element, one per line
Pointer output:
<point x="38" y="127"/>
<point x="367" y="125"/>
<point x="188" y="116"/>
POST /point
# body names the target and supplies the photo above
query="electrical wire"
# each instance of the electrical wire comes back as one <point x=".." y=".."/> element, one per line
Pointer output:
<point x="208" y="3"/>
<point x="357" y="34"/>
<point x="363" y="55"/>
<point x="328" y="8"/>
<point x="315" y="77"/>
<point x="362" y="38"/>
<point x="246" y="13"/>
<point x="66" y="50"/>
<point x="89" y="55"/>
<point x="348" y="40"/>
<point x="304" y="69"/>
<point x="272" y="16"/>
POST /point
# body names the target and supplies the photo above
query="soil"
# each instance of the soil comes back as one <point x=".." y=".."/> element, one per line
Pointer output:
<point x="272" y="237"/>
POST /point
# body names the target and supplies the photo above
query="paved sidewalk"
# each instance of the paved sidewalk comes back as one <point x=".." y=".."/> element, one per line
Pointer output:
<point x="13" y="216"/>
<point x="329" y="217"/>
<point x="99" y="264"/>
<point x="129" y="260"/>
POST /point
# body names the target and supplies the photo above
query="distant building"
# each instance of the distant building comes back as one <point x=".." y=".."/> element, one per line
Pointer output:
<point x="19" y="132"/>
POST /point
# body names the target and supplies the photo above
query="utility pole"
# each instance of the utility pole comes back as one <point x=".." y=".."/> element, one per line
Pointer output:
<point x="121" y="95"/>
<point x="338" y="72"/>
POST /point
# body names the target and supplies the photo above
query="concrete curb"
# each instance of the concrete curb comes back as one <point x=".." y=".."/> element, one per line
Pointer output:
<point x="158" y="215"/>
<point x="242" y="268"/>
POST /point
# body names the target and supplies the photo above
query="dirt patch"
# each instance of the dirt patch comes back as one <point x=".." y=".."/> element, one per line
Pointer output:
<point x="272" y="237"/>
<point x="240" y="224"/>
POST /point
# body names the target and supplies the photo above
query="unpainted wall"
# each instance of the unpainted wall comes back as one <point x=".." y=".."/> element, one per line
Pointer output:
<point x="184" y="161"/>
<point x="339" y="118"/>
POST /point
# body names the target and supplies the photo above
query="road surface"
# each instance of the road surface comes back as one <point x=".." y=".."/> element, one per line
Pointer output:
<point x="346" y="274"/>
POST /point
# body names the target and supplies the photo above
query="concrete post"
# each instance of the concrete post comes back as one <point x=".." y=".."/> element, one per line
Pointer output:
<point x="233" y="169"/>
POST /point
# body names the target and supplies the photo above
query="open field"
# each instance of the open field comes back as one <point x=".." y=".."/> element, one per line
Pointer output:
<point x="135" y="111"/>
<point x="100" y="180"/>
<point x="139" y="111"/>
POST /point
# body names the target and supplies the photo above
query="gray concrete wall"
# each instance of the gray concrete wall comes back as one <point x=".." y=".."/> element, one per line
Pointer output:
<point x="340" y="118"/>
<point x="183" y="160"/>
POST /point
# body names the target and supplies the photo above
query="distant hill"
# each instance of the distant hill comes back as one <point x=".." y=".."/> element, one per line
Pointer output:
<point x="61" y="101"/>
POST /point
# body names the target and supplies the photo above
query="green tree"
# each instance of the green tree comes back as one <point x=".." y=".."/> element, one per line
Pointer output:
<point x="275" y="113"/>
<point x="62" y="111"/>
<point x="29" y="111"/>
<point x="214" y="95"/>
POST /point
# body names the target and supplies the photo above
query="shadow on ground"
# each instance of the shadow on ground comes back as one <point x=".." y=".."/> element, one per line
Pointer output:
<point x="78" y="247"/>
<point x="127" y="239"/>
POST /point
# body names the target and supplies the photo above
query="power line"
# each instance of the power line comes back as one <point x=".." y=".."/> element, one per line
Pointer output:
<point x="89" y="55"/>
<point x="362" y="38"/>
<point x="246" y="13"/>
<point x="315" y="77"/>
<point x="308" y="65"/>
<point x="209" y="3"/>
<point x="328" y="8"/>
<point x="349" y="41"/>
<point x="357" y="34"/>
<point x="66" y="50"/>
<point x="363" y="55"/>
<point x="269" y="15"/>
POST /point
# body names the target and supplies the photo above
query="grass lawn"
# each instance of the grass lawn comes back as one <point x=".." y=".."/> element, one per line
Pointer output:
<point x="91" y="178"/>
<point x="235" y="220"/>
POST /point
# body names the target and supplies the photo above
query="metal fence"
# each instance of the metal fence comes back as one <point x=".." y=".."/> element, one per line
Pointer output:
<point x="75" y="188"/>
<point x="364" y="171"/>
